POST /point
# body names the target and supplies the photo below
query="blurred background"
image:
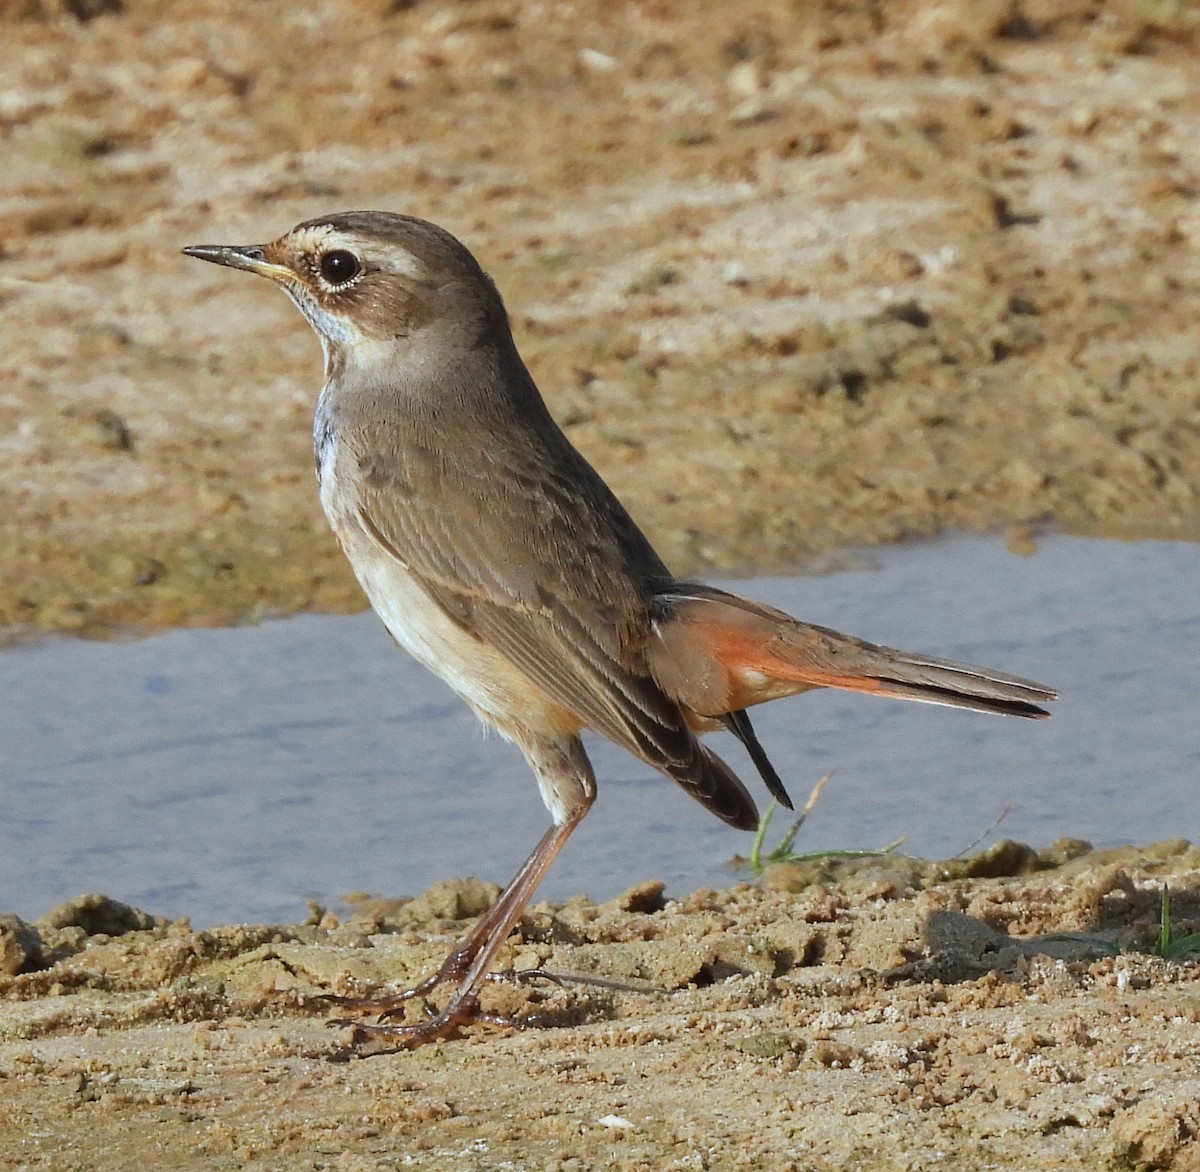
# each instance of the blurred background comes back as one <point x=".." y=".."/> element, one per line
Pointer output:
<point x="791" y="274"/>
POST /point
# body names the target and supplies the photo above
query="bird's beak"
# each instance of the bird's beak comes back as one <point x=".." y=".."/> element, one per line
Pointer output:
<point x="251" y="257"/>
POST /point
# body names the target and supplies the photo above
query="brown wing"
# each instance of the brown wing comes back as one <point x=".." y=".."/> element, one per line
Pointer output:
<point x="522" y="544"/>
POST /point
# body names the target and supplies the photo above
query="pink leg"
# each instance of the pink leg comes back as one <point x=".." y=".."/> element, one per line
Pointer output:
<point x="565" y="777"/>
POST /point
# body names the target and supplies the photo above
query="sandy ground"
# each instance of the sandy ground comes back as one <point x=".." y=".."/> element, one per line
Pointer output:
<point x="889" y="1016"/>
<point x="792" y="276"/>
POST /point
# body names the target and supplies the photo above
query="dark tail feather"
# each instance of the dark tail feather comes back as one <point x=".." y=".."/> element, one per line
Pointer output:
<point x="739" y="724"/>
<point x="961" y="685"/>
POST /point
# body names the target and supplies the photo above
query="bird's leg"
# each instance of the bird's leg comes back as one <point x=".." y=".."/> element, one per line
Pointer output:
<point x="458" y="963"/>
<point x="565" y="777"/>
<point x="477" y="952"/>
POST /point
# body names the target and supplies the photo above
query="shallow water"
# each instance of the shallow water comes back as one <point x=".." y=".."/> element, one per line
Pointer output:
<point x="231" y="774"/>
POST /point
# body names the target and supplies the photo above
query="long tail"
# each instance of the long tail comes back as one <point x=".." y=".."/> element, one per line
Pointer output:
<point x="718" y="653"/>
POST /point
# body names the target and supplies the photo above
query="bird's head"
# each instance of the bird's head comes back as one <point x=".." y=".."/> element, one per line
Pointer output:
<point x="371" y="281"/>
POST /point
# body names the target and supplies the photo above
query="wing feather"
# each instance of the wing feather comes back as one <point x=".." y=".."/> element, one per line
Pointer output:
<point x="523" y="545"/>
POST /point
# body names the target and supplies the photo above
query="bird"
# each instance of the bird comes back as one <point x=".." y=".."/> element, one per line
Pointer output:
<point x="497" y="557"/>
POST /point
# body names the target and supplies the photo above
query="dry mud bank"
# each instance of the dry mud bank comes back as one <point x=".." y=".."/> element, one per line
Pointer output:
<point x="792" y="276"/>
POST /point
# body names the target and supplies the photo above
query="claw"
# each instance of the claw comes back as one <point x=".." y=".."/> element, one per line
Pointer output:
<point x="368" y="1040"/>
<point x="527" y="977"/>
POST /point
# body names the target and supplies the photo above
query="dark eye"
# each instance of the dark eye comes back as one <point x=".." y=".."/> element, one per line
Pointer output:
<point x="339" y="266"/>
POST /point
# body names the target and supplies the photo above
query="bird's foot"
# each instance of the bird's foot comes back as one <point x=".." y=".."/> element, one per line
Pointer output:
<point x="368" y="1039"/>
<point x="453" y="969"/>
<point x="384" y="1037"/>
<point x="394" y="1003"/>
<point x="528" y="977"/>
<point x="383" y="1007"/>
